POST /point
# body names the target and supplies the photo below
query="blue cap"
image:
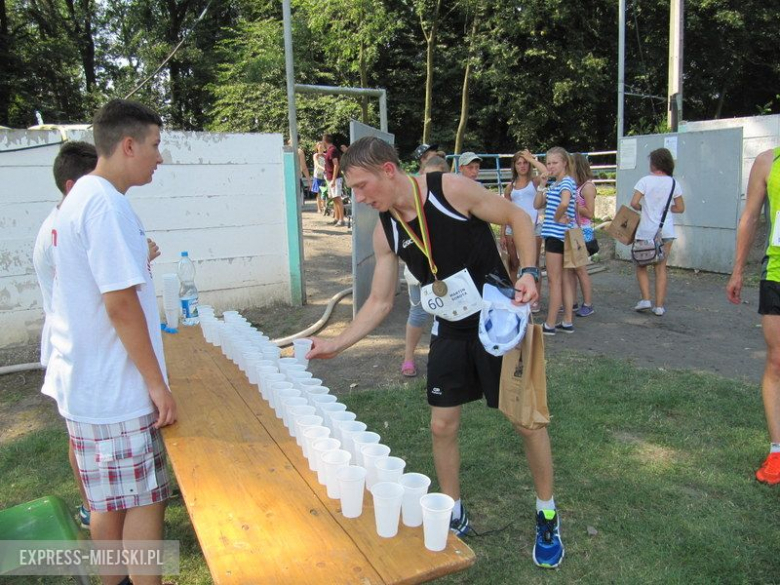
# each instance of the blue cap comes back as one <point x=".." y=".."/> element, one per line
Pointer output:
<point x="185" y="253"/>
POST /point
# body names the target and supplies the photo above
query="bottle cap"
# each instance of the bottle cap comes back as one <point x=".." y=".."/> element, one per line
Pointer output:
<point x="185" y="253"/>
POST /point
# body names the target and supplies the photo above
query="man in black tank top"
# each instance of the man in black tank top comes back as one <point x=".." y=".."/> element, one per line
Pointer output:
<point x="449" y="216"/>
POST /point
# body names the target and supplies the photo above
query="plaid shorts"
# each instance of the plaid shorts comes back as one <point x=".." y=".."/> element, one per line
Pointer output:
<point x="122" y="465"/>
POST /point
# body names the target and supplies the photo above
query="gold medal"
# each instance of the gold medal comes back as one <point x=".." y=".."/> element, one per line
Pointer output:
<point x="439" y="288"/>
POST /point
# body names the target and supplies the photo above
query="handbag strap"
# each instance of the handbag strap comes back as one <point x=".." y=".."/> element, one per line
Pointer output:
<point x="668" y="203"/>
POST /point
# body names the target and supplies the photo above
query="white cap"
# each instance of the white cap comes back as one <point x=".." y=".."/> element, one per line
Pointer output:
<point x="502" y="324"/>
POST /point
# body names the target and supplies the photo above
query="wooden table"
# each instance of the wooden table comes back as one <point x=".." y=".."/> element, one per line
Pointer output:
<point x="260" y="514"/>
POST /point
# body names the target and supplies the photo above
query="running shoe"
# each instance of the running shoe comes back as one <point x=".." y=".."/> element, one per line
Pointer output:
<point x="547" y="330"/>
<point x="643" y="305"/>
<point x="84" y="517"/>
<point x="659" y="311"/>
<point x="770" y="470"/>
<point x="585" y="311"/>
<point x="548" y="548"/>
<point x="565" y="328"/>
<point x="461" y="526"/>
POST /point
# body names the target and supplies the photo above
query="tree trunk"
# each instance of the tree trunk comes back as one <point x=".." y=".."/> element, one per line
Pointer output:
<point x="464" y="100"/>
<point x="81" y="31"/>
<point x="5" y="58"/>
<point x="430" y="48"/>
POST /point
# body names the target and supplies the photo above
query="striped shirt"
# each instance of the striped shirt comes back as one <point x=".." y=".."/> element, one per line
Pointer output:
<point x="551" y="228"/>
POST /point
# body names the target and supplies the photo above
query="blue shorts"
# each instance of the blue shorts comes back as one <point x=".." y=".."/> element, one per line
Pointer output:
<point x="417" y="315"/>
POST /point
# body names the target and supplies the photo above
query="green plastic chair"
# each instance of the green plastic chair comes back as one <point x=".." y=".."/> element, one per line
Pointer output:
<point x="46" y="518"/>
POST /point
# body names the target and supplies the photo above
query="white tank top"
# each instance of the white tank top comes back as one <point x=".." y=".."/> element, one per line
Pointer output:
<point x="524" y="199"/>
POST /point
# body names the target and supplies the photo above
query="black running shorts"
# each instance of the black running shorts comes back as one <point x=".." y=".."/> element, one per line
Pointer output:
<point x="461" y="371"/>
<point x="553" y="246"/>
<point x="769" y="298"/>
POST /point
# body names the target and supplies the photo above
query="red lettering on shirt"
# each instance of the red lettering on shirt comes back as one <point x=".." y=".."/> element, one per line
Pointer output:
<point x="53" y="237"/>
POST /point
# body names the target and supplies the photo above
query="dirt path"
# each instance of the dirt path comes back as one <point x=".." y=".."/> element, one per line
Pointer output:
<point x="701" y="330"/>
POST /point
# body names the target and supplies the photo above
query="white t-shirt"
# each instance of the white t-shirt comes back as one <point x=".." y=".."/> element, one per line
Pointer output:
<point x="524" y="199"/>
<point x="655" y="190"/>
<point x="99" y="246"/>
<point x="43" y="261"/>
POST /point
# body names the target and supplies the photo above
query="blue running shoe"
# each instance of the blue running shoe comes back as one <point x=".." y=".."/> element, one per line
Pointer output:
<point x="461" y="526"/>
<point x="84" y="517"/>
<point x="548" y="549"/>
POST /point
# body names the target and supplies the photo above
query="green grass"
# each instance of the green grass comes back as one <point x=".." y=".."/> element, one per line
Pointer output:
<point x="660" y="463"/>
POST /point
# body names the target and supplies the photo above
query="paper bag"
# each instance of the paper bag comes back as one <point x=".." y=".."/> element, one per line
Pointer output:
<point x="523" y="390"/>
<point x="575" y="252"/>
<point x="623" y="227"/>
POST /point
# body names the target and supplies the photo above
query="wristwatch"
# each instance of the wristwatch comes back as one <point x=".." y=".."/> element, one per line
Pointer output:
<point x="532" y="270"/>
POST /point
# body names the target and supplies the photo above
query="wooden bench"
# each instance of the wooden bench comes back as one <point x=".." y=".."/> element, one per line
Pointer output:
<point x="259" y="513"/>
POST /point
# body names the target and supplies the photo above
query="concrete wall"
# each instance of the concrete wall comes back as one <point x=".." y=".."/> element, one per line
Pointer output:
<point x="759" y="133"/>
<point x="219" y="196"/>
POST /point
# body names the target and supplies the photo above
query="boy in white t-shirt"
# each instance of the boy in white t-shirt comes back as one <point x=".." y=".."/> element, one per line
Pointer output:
<point x="106" y="369"/>
<point x="74" y="160"/>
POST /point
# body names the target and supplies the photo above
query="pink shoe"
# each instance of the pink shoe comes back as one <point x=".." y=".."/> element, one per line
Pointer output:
<point x="408" y="369"/>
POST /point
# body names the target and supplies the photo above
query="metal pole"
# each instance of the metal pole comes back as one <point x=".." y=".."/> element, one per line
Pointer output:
<point x="621" y="68"/>
<point x="675" y="89"/>
<point x="293" y="118"/>
<point x="357" y="91"/>
<point x="383" y="111"/>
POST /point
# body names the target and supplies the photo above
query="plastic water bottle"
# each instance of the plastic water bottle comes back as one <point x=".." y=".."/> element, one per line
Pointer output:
<point x="188" y="293"/>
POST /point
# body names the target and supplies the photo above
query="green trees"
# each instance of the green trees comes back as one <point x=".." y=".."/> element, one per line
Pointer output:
<point x="527" y="73"/>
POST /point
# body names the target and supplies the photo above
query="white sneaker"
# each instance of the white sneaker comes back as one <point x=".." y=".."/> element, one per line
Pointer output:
<point x="659" y="311"/>
<point x="643" y="305"/>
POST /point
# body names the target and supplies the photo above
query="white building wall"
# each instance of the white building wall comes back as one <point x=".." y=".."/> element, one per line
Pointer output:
<point x="218" y="196"/>
<point x="759" y="133"/>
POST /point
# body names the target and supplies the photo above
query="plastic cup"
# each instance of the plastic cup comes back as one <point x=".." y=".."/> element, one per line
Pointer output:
<point x="281" y="396"/>
<point x="271" y="353"/>
<point x="371" y="455"/>
<point x="334" y="418"/>
<point x="310" y="391"/>
<point x="287" y="405"/>
<point x="351" y="480"/>
<point x="390" y="469"/>
<point x="285" y="362"/>
<point x="320" y="400"/>
<point x="309" y="382"/>
<point x="327" y="409"/>
<point x="436" y="513"/>
<point x="348" y="429"/>
<point x="310" y="436"/>
<point x="387" y="508"/>
<point x="333" y="461"/>
<point x="172" y="318"/>
<point x="274" y="387"/>
<point x="320" y="447"/>
<point x="302" y="424"/>
<point x="293" y="414"/>
<point x="300" y="348"/>
<point x="267" y="377"/>
<point x="415" y="487"/>
<point x="359" y="440"/>
<point x="230" y="315"/>
<point x="295" y="376"/>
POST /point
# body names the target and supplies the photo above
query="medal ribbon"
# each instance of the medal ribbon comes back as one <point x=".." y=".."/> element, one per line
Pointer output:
<point x="423" y="245"/>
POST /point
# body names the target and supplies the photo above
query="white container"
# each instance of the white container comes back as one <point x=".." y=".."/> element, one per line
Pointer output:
<point x="333" y="461"/>
<point x="318" y="401"/>
<point x="390" y="469"/>
<point x="436" y="513"/>
<point x="311" y="436"/>
<point x="387" y="508"/>
<point x="415" y="487"/>
<point x="281" y="396"/>
<point x="291" y="402"/>
<point x="320" y="447"/>
<point x="300" y="348"/>
<point x="371" y="455"/>
<point x="334" y="418"/>
<point x="348" y="429"/>
<point x="351" y="480"/>
<point x="359" y="441"/>
<point x="293" y="414"/>
<point x="303" y="424"/>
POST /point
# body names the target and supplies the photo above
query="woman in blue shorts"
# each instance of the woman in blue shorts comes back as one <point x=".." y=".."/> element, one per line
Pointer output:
<point x="558" y="203"/>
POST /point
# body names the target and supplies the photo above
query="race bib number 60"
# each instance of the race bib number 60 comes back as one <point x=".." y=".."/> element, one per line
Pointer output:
<point x="461" y="299"/>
